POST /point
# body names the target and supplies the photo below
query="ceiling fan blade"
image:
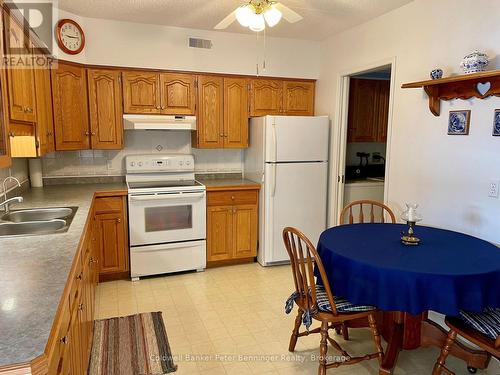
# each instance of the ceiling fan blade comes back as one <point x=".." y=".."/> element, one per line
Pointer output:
<point x="288" y="14"/>
<point x="230" y="18"/>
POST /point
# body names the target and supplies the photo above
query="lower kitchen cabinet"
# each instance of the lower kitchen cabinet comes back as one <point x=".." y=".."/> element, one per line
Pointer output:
<point x="111" y="231"/>
<point x="232" y="217"/>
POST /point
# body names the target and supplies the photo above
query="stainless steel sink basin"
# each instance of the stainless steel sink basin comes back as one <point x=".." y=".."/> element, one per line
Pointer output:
<point x="30" y="228"/>
<point x="40" y="214"/>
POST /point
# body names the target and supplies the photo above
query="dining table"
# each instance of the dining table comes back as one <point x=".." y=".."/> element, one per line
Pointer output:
<point x="446" y="272"/>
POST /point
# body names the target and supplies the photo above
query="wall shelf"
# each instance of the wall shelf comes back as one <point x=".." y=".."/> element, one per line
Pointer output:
<point x="476" y="85"/>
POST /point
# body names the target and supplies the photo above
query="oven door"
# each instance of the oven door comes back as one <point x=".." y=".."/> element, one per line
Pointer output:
<point x="156" y="218"/>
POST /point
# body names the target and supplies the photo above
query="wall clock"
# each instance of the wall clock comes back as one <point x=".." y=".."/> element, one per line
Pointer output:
<point x="70" y="36"/>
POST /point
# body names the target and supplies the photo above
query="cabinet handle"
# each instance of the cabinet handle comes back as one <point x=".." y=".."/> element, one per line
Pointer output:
<point x="93" y="133"/>
<point x="162" y="107"/>
<point x="79" y="277"/>
<point x="118" y="220"/>
<point x="29" y="110"/>
<point x="233" y="197"/>
<point x="221" y="135"/>
<point x="158" y="107"/>
<point x="225" y="135"/>
<point x="87" y="133"/>
<point x="63" y="340"/>
<point x="80" y="306"/>
<point x="234" y="210"/>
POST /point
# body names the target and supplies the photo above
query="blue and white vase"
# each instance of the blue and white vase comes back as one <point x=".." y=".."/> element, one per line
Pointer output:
<point x="436" y="73"/>
<point x="474" y="62"/>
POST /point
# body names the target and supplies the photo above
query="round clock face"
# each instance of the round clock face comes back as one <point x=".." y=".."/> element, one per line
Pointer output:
<point x="70" y="36"/>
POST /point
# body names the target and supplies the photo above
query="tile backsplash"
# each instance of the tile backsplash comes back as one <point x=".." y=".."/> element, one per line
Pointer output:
<point x="111" y="163"/>
<point x="19" y="169"/>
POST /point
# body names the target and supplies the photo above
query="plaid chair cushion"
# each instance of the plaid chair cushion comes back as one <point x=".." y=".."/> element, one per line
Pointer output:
<point x="487" y="322"/>
<point x="343" y="305"/>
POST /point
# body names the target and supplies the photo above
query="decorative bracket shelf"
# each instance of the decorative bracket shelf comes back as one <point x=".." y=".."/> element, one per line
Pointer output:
<point x="476" y="85"/>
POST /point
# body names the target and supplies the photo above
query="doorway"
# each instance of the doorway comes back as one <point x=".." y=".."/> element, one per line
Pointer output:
<point x="365" y="120"/>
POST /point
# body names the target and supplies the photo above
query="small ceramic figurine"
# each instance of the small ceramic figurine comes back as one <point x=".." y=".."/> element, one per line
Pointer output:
<point x="436" y="73"/>
<point x="474" y="62"/>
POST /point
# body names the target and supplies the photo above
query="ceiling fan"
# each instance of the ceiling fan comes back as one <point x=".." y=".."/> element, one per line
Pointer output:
<point x="256" y="13"/>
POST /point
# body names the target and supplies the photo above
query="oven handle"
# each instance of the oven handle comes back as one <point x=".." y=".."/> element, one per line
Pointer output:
<point x="154" y="197"/>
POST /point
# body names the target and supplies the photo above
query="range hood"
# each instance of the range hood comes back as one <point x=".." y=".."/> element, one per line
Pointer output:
<point x="158" y="122"/>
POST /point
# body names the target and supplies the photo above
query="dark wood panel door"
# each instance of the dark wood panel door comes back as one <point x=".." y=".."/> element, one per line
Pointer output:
<point x="266" y="97"/>
<point x="69" y="96"/>
<point x="105" y="104"/>
<point x="210" y="120"/>
<point x="44" y="112"/>
<point x="111" y="235"/>
<point x="141" y="92"/>
<point x="178" y="93"/>
<point x="236" y="112"/>
<point x="245" y="231"/>
<point x="298" y="98"/>
<point x="219" y="233"/>
<point x="363" y="110"/>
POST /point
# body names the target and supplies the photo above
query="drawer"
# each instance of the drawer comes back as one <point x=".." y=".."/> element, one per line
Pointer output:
<point x="108" y="204"/>
<point x="230" y="197"/>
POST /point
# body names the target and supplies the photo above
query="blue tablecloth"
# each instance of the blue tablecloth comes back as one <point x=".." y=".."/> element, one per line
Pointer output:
<point x="447" y="272"/>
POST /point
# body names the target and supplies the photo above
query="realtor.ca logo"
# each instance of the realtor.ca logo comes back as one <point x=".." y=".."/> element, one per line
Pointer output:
<point x="28" y="34"/>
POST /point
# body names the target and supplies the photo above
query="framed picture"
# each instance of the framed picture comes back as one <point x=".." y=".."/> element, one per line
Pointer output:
<point x="496" y="123"/>
<point x="458" y="122"/>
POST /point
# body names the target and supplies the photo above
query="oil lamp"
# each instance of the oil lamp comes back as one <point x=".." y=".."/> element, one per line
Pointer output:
<point x="412" y="217"/>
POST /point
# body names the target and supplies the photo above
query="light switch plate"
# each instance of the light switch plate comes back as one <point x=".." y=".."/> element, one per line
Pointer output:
<point x="493" y="188"/>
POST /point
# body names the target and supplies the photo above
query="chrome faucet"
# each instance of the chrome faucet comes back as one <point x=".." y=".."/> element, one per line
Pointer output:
<point x="6" y="202"/>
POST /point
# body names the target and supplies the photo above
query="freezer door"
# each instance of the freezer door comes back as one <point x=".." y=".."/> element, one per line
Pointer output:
<point x="296" y="138"/>
<point x="296" y="196"/>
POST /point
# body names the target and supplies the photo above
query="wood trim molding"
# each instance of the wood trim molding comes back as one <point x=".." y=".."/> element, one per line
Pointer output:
<point x="233" y="187"/>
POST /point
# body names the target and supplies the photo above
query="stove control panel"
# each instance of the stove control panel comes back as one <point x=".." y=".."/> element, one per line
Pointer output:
<point x="159" y="163"/>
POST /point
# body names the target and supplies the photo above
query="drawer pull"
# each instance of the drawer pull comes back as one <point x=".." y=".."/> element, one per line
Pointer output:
<point x="79" y="277"/>
<point x="64" y="340"/>
<point x="118" y="220"/>
<point x="80" y="306"/>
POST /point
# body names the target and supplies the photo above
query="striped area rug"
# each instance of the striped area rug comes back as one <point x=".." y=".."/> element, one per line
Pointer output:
<point x="131" y="345"/>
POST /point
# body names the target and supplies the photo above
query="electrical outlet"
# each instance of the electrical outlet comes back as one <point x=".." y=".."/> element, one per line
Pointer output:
<point x="109" y="164"/>
<point x="493" y="189"/>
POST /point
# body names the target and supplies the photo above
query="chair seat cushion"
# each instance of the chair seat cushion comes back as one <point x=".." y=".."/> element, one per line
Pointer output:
<point x="487" y="322"/>
<point x="343" y="305"/>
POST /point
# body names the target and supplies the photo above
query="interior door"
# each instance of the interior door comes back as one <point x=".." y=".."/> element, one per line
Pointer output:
<point x="293" y="138"/>
<point x="296" y="195"/>
<point x="339" y="177"/>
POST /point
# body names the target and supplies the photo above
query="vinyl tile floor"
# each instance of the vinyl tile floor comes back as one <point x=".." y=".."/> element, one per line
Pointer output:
<point x="231" y="320"/>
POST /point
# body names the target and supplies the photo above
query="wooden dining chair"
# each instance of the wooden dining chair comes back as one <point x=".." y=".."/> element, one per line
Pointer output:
<point x="374" y="217"/>
<point x="481" y="329"/>
<point x="316" y="301"/>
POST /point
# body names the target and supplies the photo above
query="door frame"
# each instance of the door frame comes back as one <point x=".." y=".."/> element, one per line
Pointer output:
<point x="339" y="135"/>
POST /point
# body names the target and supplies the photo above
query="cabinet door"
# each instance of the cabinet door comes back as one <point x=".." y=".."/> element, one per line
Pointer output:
<point x="210" y="127"/>
<point x="245" y="231"/>
<point x="266" y="97"/>
<point x="363" y="108"/>
<point x="111" y="237"/>
<point x="383" y="110"/>
<point x="44" y="113"/>
<point x="219" y="233"/>
<point x="236" y="112"/>
<point x="69" y="95"/>
<point x="105" y="104"/>
<point x="21" y="81"/>
<point x="5" y="160"/>
<point x="298" y="98"/>
<point x="141" y="92"/>
<point x="178" y="94"/>
<point x="74" y="342"/>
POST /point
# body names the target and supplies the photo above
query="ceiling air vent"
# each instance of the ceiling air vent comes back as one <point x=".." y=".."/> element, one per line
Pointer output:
<point x="200" y="43"/>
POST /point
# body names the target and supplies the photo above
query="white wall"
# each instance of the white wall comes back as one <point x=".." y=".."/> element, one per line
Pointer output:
<point x="447" y="175"/>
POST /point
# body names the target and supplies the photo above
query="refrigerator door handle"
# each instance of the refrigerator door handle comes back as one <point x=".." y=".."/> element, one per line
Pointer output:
<point x="273" y="190"/>
<point x="275" y="143"/>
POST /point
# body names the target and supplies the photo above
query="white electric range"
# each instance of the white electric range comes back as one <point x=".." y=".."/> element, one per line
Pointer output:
<point x="167" y="215"/>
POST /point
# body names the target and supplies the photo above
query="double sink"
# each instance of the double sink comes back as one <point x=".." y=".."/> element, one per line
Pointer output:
<point x="36" y="221"/>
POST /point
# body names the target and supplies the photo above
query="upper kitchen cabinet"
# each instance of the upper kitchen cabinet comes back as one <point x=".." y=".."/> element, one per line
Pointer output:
<point x="44" y="112"/>
<point x="298" y="98"/>
<point x="236" y="112"/>
<point x="5" y="160"/>
<point x="141" y="92"/>
<point x="368" y="110"/>
<point x="20" y="81"/>
<point x="69" y="95"/>
<point x="105" y="109"/>
<point x="178" y="94"/>
<point x="210" y="121"/>
<point x="266" y="97"/>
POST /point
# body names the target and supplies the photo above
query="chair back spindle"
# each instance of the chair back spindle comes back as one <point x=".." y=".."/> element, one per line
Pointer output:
<point x="370" y="205"/>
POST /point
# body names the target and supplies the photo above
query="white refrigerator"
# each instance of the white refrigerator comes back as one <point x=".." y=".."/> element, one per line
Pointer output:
<point x="289" y="156"/>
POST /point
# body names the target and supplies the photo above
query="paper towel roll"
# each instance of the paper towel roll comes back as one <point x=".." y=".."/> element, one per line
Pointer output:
<point x="35" y="166"/>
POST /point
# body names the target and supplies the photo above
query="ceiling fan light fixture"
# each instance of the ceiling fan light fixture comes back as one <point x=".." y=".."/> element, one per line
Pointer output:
<point x="257" y="23"/>
<point x="272" y="16"/>
<point x="244" y="15"/>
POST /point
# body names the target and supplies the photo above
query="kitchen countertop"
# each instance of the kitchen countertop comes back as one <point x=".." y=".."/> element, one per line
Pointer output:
<point x="224" y="183"/>
<point x="34" y="271"/>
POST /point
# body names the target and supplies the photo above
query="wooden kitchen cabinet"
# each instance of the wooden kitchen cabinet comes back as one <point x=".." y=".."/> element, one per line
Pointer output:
<point x="178" y="93"/>
<point x="210" y="121"/>
<point x="44" y="112"/>
<point x="112" y="245"/>
<point x="69" y="95"/>
<point x="105" y="109"/>
<point x="141" y="92"/>
<point x="298" y="98"/>
<point x="368" y="110"/>
<point x="266" y="97"/>
<point x="232" y="225"/>
<point x="236" y="112"/>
